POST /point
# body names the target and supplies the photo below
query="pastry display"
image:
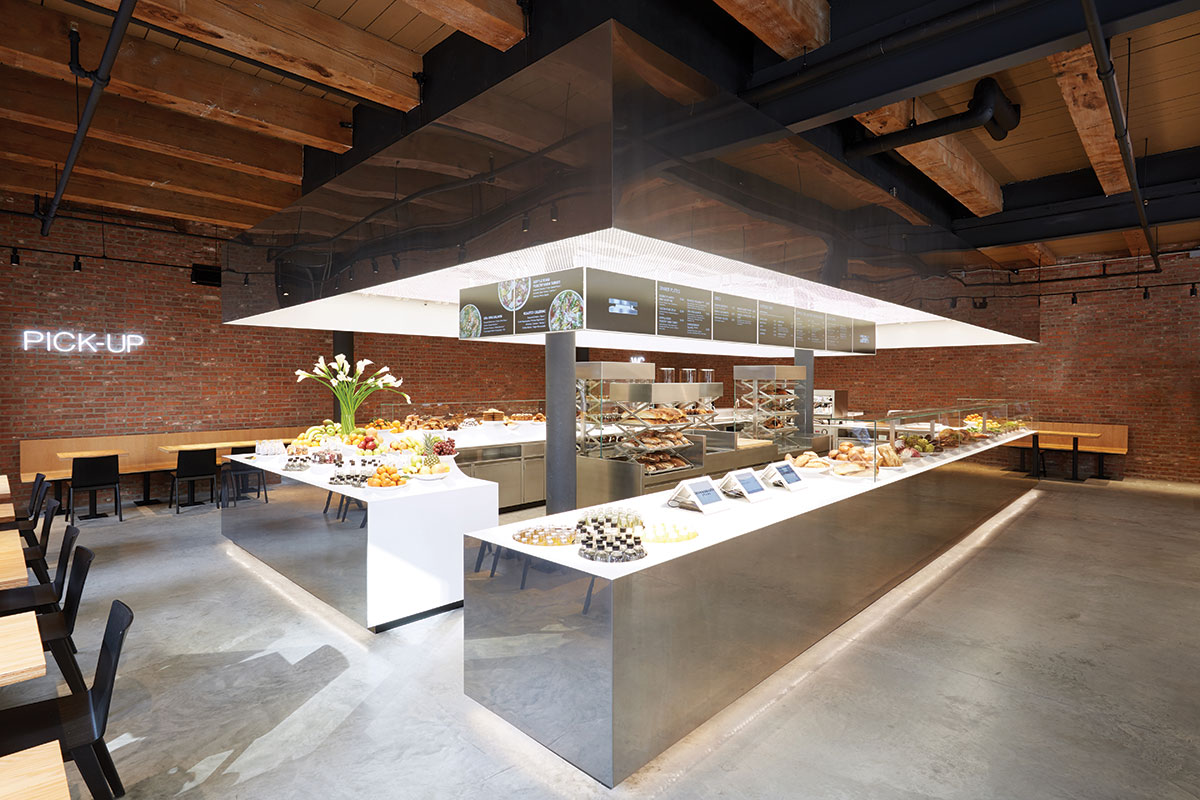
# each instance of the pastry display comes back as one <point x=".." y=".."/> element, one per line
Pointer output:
<point x="848" y="451"/>
<point x="522" y="417"/>
<point x="539" y="417"/>
<point x="886" y="456"/>
<point x="851" y="469"/>
<point x="546" y="535"/>
<point x="807" y="460"/>
<point x="296" y="463"/>
<point x="492" y="415"/>
<point x="665" y="533"/>
<point x="661" y="462"/>
<point x="657" y="440"/>
<point x="661" y="416"/>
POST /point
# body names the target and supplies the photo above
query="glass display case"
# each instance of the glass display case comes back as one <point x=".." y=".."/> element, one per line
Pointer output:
<point x="766" y="401"/>
<point x="595" y="410"/>
<point x="453" y="415"/>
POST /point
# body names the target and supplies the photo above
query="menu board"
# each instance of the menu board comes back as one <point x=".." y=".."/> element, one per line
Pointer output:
<point x="684" y="311"/>
<point x="810" y="329"/>
<point x="481" y="313"/>
<point x="618" y="302"/>
<point x="839" y="333"/>
<point x="776" y="324"/>
<point x="735" y="319"/>
<point x="554" y="302"/>
<point x="864" y="336"/>
<point x="704" y="492"/>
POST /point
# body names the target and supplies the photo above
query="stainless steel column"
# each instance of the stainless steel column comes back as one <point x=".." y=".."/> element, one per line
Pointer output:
<point x="560" y="422"/>
<point x="804" y="358"/>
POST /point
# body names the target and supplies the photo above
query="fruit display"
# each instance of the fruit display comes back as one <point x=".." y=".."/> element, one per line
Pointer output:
<point x="664" y="533"/>
<point x="546" y="536"/>
<point x="387" y="476"/>
<point x="318" y="433"/>
<point x="365" y="440"/>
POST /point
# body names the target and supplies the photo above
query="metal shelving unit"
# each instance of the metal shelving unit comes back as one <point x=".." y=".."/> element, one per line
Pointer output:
<point x="767" y="396"/>
<point x="596" y="413"/>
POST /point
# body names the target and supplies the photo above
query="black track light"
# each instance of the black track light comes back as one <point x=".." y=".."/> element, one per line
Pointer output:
<point x="396" y="262"/>
<point x="462" y="252"/>
<point x="15" y="258"/>
<point x="954" y="302"/>
<point x="77" y="265"/>
<point x="350" y="274"/>
<point x="375" y="265"/>
<point x="1146" y="293"/>
<point x="1074" y="299"/>
<point x="525" y="223"/>
<point x="246" y="280"/>
<point x="337" y="282"/>
<point x="554" y="212"/>
<point x="1193" y="291"/>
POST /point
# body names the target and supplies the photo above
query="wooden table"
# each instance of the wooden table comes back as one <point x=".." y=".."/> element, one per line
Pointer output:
<point x="21" y="654"/>
<point x="71" y="455"/>
<point x="7" y="512"/>
<point x="34" y="774"/>
<point x="5" y="489"/>
<point x="13" y="572"/>
<point x="1075" y="437"/>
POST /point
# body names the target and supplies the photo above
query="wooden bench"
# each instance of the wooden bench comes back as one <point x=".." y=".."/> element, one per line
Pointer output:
<point x="1112" y="440"/>
<point x="142" y="453"/>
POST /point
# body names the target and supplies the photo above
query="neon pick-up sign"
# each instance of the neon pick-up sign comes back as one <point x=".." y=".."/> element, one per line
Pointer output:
<point x="81" y="342"/>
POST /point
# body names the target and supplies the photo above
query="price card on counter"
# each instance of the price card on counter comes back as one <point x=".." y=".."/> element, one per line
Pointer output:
<point x="744" y="483"/>
<point x="699" y="494"/>
<point x="781" y="473"/>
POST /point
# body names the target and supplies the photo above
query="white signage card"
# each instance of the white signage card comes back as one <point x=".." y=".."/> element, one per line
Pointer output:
<point x="699" y="494"/>
<point x="81" y="342"/>
<point x="744" y="483"/>
<point x="781" y="473"/>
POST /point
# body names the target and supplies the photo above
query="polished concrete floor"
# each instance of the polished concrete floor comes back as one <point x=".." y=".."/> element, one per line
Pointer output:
<point x="1055" y="654"/>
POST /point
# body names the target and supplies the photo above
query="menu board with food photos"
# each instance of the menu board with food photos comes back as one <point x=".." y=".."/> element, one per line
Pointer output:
<point x="810" y="329"/>
<point x="555" y="303"/>
<point x="864" y="337"/>
<point x="735" y="319"/>
<point x="839" y="333"/>
<point x="776" y="324"/>
<point x="481" y="313"/>
<point x="684" y="311"/>
<point x="617" y="302"/>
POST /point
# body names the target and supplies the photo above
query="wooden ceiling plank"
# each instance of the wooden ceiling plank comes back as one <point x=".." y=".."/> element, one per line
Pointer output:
<point x="43" y="147"/>
<point x="124" y="197"/>
<point x="295" y="38"/>
<point x="789" y="27"/>
<point x="1136" y="241"/>
<point x="1039" y="254"/>
<point x="34" y="100"/>
<point x="499" y="23"/>
<point x="157" y="75"/>
<point x="1075" y="72"/>
<point x="946" y="160"/>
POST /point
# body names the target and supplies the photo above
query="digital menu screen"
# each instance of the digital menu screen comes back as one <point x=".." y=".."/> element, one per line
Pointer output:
<point x="618" y="302"/>
<point x="864" y="336"/>
<point x="750" y="483"/>
<point x="839" y="333"/>
<point x="776" y="324"/>
<point x="552" y="302"/>
<point x="787" y="473"/>
<point x="482" y="314"/>
<point x="704" y="492"/>
<point x="684" y="311"/>
<point x="810" y="329"/>
<point x="735" y="319"/>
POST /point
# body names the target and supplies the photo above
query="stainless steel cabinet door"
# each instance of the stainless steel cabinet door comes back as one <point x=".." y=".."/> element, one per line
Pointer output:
<point x="507" y="473"/>
<point x="535" y="480"/>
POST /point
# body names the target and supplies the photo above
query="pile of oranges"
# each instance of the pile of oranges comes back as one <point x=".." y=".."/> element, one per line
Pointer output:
<point x="387" y="476"/>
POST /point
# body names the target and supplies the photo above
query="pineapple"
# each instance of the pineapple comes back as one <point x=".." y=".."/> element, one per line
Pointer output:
<point x="431" y="458"/>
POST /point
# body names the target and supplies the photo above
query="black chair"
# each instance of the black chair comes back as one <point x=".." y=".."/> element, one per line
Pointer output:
<point x="28" y="524"/>
<point x="79" y="720"/>
<point x="192" y="466"/>
<point x="97" y="473"/>
<point x="239" y="475"/>
<point x="35" y="555"/>
<point x="57" y="627"/>
<point x="44" y="597"/>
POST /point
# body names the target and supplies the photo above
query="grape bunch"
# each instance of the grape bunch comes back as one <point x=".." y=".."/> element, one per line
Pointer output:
<point x="444" y="448"/>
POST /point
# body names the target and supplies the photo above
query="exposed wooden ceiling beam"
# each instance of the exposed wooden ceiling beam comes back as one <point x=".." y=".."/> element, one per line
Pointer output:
<point x="125" y="197"/>
<point x="1136" y="241"/>
<point x="786" y="26"/>
<point x="945" y="160"/>
<point x="294" y="37"/>
<point x="1075" y="71"/>
<point x="499" y="23"/>
<point x="46" y="148"/>
<point x="1039" y="254"/>
<point x="33" y="100"/>
<point x="161" y="76"/>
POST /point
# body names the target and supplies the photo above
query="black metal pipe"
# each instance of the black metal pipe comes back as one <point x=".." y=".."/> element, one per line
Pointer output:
<point x="989" y="107"/>
<point x="1107" y="74"/>
<point x="901" y="40"/>
<point x="99" y="81"/>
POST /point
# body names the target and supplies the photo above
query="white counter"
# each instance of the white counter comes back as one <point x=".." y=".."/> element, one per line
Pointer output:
<point x="820" y="490"/>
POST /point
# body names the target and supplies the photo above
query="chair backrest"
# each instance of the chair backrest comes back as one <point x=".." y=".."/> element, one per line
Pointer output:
<point x="38" y="481"/>
<point x="95" y="471"/>
<point x="64" y="555"/>
<point x="47" y="523"/>
<point x="241" y="451"/>
<point x="120" y="617"/>
<point x="37" y="499"/>
<point x="81" y="562"/>
<point x="196" y="463"/>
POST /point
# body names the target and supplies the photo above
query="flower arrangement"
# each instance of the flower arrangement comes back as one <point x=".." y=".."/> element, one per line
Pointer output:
<point x="351" y="388"/>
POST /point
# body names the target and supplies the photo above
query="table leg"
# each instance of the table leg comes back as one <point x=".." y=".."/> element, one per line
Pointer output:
<point x="92" y="513"/>
<point x="146" y="500"/>
<point x="1100" y="468"/>
<point x="191" y="501"/>
<point x="1075" y="458"/>
<point x="1034" y="473"/>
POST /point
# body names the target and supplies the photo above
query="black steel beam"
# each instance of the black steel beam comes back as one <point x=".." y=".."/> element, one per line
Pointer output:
<point x="1032" y="31"/>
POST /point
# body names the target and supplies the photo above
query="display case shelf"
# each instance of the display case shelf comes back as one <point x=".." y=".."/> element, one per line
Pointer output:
<point x="767" y="396"/>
